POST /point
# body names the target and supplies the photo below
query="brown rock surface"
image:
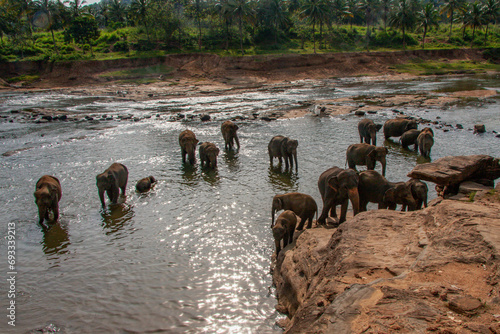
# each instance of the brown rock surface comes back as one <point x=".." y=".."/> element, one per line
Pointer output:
<point x="455" y="169"/>
<point x="386" y="271"/>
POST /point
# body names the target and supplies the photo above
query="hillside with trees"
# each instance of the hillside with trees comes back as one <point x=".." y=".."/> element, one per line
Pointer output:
<point x="55" y="30"/>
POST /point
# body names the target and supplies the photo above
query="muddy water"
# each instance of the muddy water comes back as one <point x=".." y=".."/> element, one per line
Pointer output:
<point x="194" y="254"/>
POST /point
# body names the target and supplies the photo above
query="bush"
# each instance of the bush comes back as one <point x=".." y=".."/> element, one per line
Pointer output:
<point x="391" y="39"/>
<point x="143" y="45"/>
<point x="121" y="46"/>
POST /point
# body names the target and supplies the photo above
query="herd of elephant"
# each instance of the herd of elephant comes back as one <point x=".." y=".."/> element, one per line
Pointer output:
<point x="338" y="186"/>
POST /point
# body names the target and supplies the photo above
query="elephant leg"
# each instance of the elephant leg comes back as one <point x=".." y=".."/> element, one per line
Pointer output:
<point x="302" y="222"/>
<point x="55" y="210"/>
<point x="327" y="206"/>
<point x="280" y="161"/>
<point x="310" y="221"/>
<point x="403" y="207"/>
<point x="343" y="211"/>
<point x="290" y="237"/>
<point x="362" y="205"/>
<point x="183" y="153"/>
<point x="419" y="204"/>
<point x="278" y="246"/>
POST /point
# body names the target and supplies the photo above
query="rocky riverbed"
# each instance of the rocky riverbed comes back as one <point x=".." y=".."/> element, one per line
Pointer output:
<point x="434" y="270"/>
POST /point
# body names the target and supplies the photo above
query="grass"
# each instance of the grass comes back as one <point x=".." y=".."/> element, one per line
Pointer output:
<point x="433" y="67"/>
<point x="139" y="73"/>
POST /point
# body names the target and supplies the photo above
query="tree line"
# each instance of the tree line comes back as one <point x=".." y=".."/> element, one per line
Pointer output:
<point x="238" y="25"/>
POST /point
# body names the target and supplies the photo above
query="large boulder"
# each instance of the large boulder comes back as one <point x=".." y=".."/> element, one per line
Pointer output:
<point x="385" y="271"/>
<point x="456" y="169"/>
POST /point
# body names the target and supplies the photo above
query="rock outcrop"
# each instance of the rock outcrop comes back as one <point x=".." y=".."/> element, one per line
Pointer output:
<point x="433" y="270"/>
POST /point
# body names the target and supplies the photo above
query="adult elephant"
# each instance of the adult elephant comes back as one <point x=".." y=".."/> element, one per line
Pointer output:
<point x="145" y="184"/>
<point x="229" y="134"/>
<point x="419" y="192"/>
<point x="368" y="131"/>
<point x="284" y="229"/>
<point x="410" y="138"/>
<point x="208" y="154"/>
<point x="375" y="188"/>
<point x="188" y="142"/>
<point x="366" y="155"/>
<point x="282" y="147"/>
<point x="396" y="127"/>
<point x="337" y="186"/>
<point x="47" y="196"/>
<point x="302" y="205"/>
<point x="425" y="142"/>
<point x="111" y="181"/>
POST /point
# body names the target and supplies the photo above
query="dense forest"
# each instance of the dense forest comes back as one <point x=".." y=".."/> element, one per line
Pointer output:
<point x="65" y="30"/>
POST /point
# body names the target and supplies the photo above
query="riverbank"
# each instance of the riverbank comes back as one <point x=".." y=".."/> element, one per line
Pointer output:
<point x="435" y="270"/>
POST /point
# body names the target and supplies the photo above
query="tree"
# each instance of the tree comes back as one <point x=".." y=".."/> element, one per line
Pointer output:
<point x="473" y="17"/>
<point x="386" y="5"/>
<point x="139" y="9"/>
<point x="76" y="7"/>
<point x="274" y="15"/>
<point x="341" y="10"/>
<point x="46" y="12"/>
<point x="84" y="30"/>
<point x="427" y="17"/>
<point x="403" y="17"/>
<point x="450" y="6"/>
<point x="198" y="11"/>
<point x="491" y="9"/>
<point x="314" y="11"/>
<point x="117" y="11"/>
<point x="243" y="11"/>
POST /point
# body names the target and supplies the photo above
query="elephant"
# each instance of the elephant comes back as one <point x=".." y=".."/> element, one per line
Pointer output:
<point x="145" y="184"/>
<point x="284" y="229"/>
<point x="375" y="188"/>
<point x="419" y="192"/>
<point x="396" y="127"/>
<point x="112" y="180"/>
<point x="337" y="186"/>
<point x="427" y="129"/>
<point x="410" y="138"/>
<point x="425" y="142"/>
<point x="47" y="196"/>
<point x="228" y="130"/>
<point x="188" y="142"/>
<point x="208" y="154"/>
<point x="366" y="155"/>
<point x="283" y="147"/>
<point x="302" y="205"/>
<point x="368" y="131"/>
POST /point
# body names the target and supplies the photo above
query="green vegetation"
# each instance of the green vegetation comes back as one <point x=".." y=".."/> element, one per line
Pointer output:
<point x="420" y="67"/>
<point x="55" y="30"/>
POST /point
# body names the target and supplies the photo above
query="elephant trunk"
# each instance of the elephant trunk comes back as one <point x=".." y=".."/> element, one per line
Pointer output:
<point x="295" y="158"/>
<point x="412" y="205"/>
<point x="354" y="198"/>
<point x="237" y="141"/>
<point x="191" y="156"/>
<point x="42" y="210"/>
<point x="272" y="217"/>
<point x="373" y="135"/>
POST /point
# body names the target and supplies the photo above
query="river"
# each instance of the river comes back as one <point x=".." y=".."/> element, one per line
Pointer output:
<point x="194" y="254"/>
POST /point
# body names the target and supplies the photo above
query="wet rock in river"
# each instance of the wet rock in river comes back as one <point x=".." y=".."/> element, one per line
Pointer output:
<point x="205" y="118"/>
<point x="459" y="126"/>
<point x="479" y="128"/>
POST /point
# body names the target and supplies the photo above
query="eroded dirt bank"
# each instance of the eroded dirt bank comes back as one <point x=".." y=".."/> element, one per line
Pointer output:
<point x="248" y="70"/>
<point x="434" y="270"/>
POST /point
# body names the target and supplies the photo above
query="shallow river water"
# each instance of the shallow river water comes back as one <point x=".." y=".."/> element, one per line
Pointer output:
<point x="194" y="254"/>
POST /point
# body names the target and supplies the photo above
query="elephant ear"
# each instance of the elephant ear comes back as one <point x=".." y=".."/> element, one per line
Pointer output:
<point x="333" y="183"/>
<point x="389" y="195"/>
<point x="373" y="154"/>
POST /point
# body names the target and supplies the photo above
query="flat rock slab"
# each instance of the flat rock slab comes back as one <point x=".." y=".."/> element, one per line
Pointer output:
<point x="465" y="305"/>
<point x="469" y="186"/>
<point x="454" y="170"/>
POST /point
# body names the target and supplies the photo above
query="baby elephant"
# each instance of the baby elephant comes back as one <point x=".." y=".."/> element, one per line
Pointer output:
<point x="283" y="229"/>
<point x="187" y="142"/>
<point x="419" y="192"/>
<point x="410" y="138"/>
<point x="228" y="130"/>
<point x="112" y="180"/>
<point x="47" y="196"/>
<point x="145" y="184"/>
<point x="208" y="154"/>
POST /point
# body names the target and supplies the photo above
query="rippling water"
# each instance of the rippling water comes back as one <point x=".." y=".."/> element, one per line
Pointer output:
<point x="194" y="254"/>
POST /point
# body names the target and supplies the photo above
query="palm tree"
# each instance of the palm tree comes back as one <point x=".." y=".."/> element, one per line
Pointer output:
<point x="140" y="8"/>
<point x="450" y="6"/>
<point x="341" y="10"/>
<point x="427" y="17"/>
<point x="116" y="11"/>
<point x="352" y="7"/>
<point x="314" y="11"/>
<point x="474" y="18"/>
<point x="243" y="11"/>
<point x="386" y="6"/>
<point x="491" y="9"/>
<point x="403" y="17"/>
<point x="368" y="7"/>
<point x="44" y="7"/>
<point x="76" y="7"/>
<point x="273" y="13"/>
<point x="223" y="9"/>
